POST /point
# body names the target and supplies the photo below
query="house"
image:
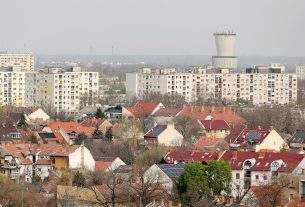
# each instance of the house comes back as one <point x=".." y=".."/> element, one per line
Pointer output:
<point x="298" y="139"/>
<point x="164" y="134"/>
<point x="214" y="128"/>
<point x="164" y="174"/>
<point x="114" y="113"/>
<point x="212" y="112"/>
<point x="68" y="130"/>
<point x="37" y="114"/>
<point x="144" y="109"/>
<point x="32" y="114"/>
<point x="103" y="164"/>
<point x="166" y="115"/>
<point x="175" y="156"/>
<point x="9" y="133"/>
<point x="211" y="144"/>
<point x="78" y="197"/>
<point x="260" y="168"/>
<point x="43" y="158"/>
<point x="103" y="124"/>
<point x="258" y="139"/>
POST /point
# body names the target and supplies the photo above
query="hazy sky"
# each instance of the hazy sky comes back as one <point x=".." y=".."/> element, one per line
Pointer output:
<point x="152" y="27"/>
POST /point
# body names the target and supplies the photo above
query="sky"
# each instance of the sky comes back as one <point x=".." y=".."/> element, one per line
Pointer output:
<point x="151" y="27"/>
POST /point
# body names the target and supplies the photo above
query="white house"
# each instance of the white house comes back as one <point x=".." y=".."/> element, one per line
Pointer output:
<point x="258" y="139"/>
<point x="258" y="168"/>
<point x="37" y="114"/>
<point x="164" y="134"/>
<point x="164" y="174"/>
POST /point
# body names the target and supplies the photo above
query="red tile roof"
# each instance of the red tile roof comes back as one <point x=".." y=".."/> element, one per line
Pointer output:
<point x="218" y="113"/>
<point x="143" y="109"/>
<point x="206" y="142"/>
<point x="167" y="112"/>
<point x="214" y="124"/>
<point x="254" y="135"/>
<point x="263" y="160"/>
<point x="174" y="156"/>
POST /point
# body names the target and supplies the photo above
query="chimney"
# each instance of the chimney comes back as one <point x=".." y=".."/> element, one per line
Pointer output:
<point x="234" y="156"/>
<point x="271" y="128"/>
<point x="202" y="109"/>
<point x="259" y="127"/>
<point x="261" y="154"/>
<point x="170" y="126"/>
<point x="192" y="108"/>
<point x="223" y="109"/>
<point x="212" y="108"/>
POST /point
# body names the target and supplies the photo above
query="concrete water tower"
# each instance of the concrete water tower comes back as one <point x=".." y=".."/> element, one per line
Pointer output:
<point x="225" y="58"/>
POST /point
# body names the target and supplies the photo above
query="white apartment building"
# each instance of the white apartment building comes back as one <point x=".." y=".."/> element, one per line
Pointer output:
<point x="259" y="88"/>
<point x="19" y="62"/>
<point x="300" y="70"/>
<point x="62" y="91"/>
<point x="12" y="87"/>
<point x="51" y="89"/>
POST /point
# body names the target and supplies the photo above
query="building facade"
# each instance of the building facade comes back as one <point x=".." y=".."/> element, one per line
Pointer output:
<point x="20" y="62"/>
<point x="62" y="91"/>
<point x="259" y="88"/>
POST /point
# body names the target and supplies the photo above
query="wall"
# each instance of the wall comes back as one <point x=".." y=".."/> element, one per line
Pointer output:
<point x="155" y="175"/>
<point x="170" y="137"/>
<point x="61" y="162"/>
<point x="75" y="159"/>
<point x="273" y="142"/>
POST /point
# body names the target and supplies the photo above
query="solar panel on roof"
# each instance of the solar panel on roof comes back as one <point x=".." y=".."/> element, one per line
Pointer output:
<point x="253" y="135"/>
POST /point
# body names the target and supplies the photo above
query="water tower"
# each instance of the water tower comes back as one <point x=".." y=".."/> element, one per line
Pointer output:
<point x="225" y="58"/>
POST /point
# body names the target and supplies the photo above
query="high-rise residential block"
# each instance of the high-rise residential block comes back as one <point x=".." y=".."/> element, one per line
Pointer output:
<point x="259" y="88"/>
<point x="300" y="70"/>
<point x="19" y="62"/>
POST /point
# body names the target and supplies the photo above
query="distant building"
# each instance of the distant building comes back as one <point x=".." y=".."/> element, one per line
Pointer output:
<point x="19" y="62"/>
<point x="300" y="70"/>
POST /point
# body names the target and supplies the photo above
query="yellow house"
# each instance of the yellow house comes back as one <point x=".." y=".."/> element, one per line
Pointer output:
<point x="214" y="128"/>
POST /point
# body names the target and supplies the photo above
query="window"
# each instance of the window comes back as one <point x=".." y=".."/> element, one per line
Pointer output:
<point x="265" y="177"/>
<point x="256" y="177"/>
<point x="237" y="176"/>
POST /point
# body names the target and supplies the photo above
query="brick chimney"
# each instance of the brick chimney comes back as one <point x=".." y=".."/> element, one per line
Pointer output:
<point x="234" y="156"/>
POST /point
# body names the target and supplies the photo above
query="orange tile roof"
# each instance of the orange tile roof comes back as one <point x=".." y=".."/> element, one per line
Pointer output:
<point x="217" y="112"/>
<point x="142" y="109"/>
<point x="101" y="166"/>
<point x="92" y="122"/>
<point x="51" y="149"/>
<point x="70" y="127"/>
<point x="206" y="142"/>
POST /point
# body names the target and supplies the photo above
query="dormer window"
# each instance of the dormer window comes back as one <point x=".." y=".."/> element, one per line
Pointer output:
<point x="247" y="165"/>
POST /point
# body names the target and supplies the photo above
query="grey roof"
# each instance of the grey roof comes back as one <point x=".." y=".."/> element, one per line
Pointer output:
<point x="154" y="132"/>
<point x="47" y="135"/>
<point x="298" y="137"/>
<point x="172" y="170"/>
<point x="124" y="169"/>
<point x="116" y="109"/>
<point x="206" y="202"/>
